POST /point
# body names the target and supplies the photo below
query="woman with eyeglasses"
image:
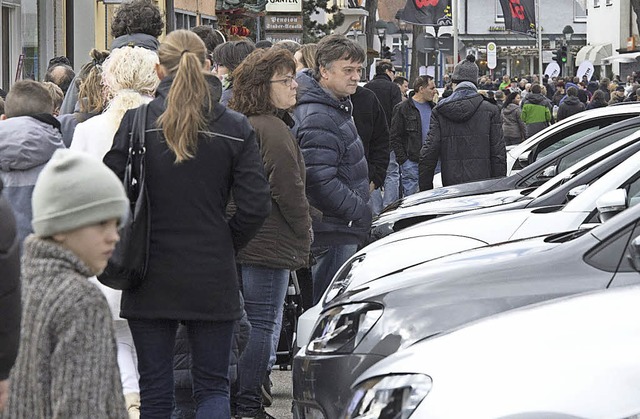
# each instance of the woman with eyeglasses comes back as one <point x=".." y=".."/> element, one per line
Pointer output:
<point x="264" y="90"/>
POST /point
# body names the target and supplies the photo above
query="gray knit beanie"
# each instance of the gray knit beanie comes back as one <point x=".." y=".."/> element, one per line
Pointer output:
<point x="466" y="70"/>
<point x="75" y="190"/>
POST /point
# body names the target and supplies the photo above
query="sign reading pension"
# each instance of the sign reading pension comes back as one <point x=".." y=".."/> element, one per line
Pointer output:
<point x="284" y="6"/>
<point x="283" y="22"/>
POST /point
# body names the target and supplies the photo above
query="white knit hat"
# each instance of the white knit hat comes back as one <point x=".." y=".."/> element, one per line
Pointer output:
<point x="75" y="190"/>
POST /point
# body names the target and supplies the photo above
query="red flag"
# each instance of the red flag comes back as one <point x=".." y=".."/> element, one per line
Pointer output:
<point x="427" y="12"/>
<point x="519" y="16"/>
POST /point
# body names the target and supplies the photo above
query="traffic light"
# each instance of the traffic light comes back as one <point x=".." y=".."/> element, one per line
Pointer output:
<point x="555" y="55"/>
<point x="563" y="54"/>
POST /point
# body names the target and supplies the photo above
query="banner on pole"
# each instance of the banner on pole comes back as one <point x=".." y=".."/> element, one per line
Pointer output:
<point x="492" y="59"/>
<point x="585" y="69"/>
<point x="427" y="12"/>
<point x="519" y="16"/>
<point x="552" y="70"/>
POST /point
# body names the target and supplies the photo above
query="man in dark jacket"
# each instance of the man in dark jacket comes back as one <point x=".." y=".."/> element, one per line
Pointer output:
<point x="465" y="134"/>
<point x="571" y="105"/>
<point x="389" y="95"/>
<point x="371" y="124"/>
<point x="10" y="308"/>
<point x="337" y="171"/>
<point x="409" y="128"/>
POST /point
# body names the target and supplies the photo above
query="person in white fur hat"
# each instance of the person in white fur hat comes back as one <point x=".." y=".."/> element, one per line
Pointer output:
<point x="66" y="365"/>
<point x="129" y="79"/>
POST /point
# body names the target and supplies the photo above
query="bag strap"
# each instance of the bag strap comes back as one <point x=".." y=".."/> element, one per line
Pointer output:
<point x="134" y="172"/>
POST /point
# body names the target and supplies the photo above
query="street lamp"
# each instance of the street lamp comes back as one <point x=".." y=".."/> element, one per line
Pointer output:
<point x="567" y="32"/>
<point x="381" y="28"/>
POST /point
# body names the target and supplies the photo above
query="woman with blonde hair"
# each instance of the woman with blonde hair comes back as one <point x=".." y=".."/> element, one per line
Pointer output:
<point x="129" y="79"/>
<point x="198" y="154"/>
<point x="265" y="88"/>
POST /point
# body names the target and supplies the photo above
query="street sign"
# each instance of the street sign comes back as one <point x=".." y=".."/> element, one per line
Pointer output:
<point x="283" y="23"/>
<point x="492" y="56"/>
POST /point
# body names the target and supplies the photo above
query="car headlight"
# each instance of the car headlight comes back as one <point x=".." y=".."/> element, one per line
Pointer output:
<point x="343" y="278"/>
<point x="387" y="397"/>
<point x="341" y="328"/>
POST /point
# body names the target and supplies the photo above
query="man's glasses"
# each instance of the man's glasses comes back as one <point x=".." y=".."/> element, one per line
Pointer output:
<point x="286" y="81"/>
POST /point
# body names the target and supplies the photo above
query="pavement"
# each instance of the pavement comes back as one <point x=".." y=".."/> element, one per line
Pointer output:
<point x="282" y="394"/>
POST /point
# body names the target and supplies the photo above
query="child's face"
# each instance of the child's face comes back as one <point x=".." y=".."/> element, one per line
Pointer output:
<point x="93" y="244"/>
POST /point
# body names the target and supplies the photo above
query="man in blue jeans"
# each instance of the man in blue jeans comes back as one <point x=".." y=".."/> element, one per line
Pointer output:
<point x="409" y="129"/>
<point x="337" y="170"/>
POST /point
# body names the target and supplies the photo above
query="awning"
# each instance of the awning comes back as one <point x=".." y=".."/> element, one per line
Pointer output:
<point x="622" y="58"/>
<point x="593" y="53"/>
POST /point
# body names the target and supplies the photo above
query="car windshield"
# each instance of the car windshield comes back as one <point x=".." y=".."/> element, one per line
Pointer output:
<point x="583" y="165"/>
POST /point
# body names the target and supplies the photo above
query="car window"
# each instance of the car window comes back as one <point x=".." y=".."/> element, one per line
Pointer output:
<point x="571" y="134"/>
<point x="608" y="255"/>
<point x="633" y="192"/>
<point x="576" y="155"/>
<point x="565" y="141"/>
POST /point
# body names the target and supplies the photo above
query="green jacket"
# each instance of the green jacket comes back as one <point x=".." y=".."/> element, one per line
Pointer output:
<point x="535" y="113"/>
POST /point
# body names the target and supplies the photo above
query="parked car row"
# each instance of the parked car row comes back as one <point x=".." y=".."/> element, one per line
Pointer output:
<point x="386" y="339"/>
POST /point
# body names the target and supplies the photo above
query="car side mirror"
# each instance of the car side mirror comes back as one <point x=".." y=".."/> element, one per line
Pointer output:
<point x="611" y="203"/>
<point x="576" y="191"/>
<point x="634" y="253"/>
<point x="523" y="159"/>
<point x="549" y="172"/>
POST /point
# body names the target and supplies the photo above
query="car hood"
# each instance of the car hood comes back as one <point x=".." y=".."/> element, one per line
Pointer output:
<point x="452" y="205"/>
<point x="462" y="270"/>
<point x="445" y="192"/>
<point x="570" y="339"/>
<point x="375" y="262"/>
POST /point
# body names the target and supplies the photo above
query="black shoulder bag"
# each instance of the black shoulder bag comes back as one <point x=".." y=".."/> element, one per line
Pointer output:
<point x="128" y="264"/>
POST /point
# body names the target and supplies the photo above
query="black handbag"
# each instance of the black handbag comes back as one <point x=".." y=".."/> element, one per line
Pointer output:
<point x="128" y="264"/>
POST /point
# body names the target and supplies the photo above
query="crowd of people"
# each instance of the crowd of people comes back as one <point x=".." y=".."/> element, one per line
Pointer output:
<point x="261" y="160"/>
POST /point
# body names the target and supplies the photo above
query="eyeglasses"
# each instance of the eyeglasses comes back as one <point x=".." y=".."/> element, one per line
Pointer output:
<point x="286" y="81"/>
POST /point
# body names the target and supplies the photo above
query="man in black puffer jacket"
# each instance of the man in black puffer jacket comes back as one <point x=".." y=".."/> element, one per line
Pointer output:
<point x="465" y="133"/>
<point x="10" y="306"/>
<point x="337" y="171"/>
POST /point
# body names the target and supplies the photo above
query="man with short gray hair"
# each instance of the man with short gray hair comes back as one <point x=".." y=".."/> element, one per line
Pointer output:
<point x="336" y="167"/>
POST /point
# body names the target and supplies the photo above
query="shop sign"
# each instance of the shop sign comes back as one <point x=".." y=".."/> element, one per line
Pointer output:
<point x="275" y="37"/>
<point x="283" y="23"/>
<point x="284" y="6"/>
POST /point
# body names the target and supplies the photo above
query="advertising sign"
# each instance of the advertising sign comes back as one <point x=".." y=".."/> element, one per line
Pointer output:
<point x="284" y="6"/>
<point x="585" y="69"/>
<point x="492" y="60"/>
<point x="552" y="70"/>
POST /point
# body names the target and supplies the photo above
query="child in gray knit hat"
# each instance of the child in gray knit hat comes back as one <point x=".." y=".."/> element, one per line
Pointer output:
<point x="66" y="365"/>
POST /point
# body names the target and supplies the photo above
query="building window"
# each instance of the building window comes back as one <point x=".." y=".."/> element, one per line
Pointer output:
<point x="596" y="3"/>
<point x="209" y="21"/>
<point x="579" y="12"/>
<point x="185" y="20"/>
<point x="609" y="3"/>
<point x="499" y="14"/>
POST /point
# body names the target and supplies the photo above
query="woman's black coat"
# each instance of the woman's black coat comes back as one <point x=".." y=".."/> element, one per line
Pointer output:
<point x="192" y="270"/>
